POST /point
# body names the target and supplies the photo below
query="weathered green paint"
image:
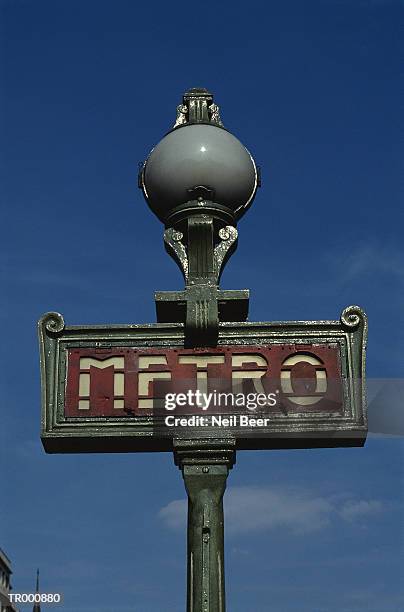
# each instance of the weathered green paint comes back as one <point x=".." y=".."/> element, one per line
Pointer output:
<point x="197" y="107"/>
<point x="205" y="465"/>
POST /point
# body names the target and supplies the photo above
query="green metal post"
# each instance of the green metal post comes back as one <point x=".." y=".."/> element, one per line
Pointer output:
<point x="205" y="466"/>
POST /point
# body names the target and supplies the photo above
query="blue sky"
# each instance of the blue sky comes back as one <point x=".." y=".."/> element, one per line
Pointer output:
<point x="312" y="89"/>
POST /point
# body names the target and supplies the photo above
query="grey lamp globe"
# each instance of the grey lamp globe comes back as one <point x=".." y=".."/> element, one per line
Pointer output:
<point x="195" y="155"/>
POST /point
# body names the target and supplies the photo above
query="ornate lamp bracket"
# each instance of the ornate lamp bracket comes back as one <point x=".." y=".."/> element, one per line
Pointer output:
<point x="225" y="247"/>
<point x="201" y="249"/>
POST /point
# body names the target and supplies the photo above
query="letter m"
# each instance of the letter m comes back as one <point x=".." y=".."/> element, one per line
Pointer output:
<point x="95" y="384"/>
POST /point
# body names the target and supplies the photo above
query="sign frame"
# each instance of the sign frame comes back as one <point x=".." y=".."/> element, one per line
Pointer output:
<point x="138" y="434"/>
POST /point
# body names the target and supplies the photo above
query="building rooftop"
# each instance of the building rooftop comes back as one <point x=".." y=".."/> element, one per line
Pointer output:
<point x="5" y="560"/>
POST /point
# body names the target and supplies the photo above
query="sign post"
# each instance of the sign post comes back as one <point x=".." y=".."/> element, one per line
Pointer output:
<point x="202" y="382"/>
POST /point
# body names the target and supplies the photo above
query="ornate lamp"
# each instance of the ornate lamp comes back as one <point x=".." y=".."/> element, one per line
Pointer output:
<point x="199" y="180"/>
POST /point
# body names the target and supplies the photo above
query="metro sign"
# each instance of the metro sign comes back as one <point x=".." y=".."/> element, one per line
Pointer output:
<point x="119" y="382"/>
<point x="106" y="388"/>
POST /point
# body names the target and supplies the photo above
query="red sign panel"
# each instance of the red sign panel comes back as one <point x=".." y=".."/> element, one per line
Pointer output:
<point x="122" y="382"/>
